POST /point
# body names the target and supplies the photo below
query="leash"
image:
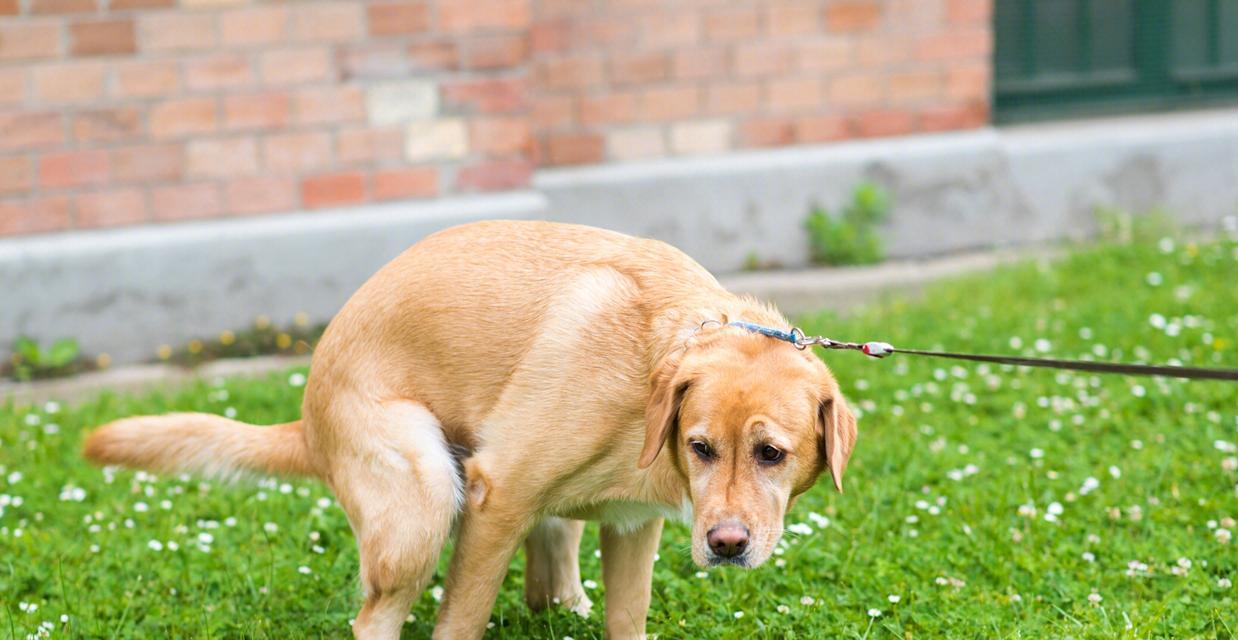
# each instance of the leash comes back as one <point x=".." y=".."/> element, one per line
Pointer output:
<point x="882" y="349"/>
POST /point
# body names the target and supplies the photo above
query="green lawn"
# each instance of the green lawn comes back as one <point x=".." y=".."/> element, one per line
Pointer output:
<point x="981" y="501"/>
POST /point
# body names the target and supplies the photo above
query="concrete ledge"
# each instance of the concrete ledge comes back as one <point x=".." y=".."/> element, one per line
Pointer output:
<point x="951" y="192"/>
<point x="125" y="292"/>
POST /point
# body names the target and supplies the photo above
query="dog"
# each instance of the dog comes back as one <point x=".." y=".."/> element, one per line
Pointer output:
<point x="505" y="381"/>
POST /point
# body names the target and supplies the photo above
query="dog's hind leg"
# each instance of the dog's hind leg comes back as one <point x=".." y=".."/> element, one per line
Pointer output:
<point x="400" y="486"/>
<point x="552" y="565"/>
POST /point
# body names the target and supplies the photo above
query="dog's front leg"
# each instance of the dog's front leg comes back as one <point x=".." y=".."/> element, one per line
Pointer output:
<point x="627" y="570"/>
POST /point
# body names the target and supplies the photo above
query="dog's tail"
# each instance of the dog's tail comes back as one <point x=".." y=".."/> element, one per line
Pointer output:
<point x="201" y="443"/>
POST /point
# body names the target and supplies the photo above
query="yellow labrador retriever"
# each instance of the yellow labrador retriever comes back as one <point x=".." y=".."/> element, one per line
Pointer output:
<point x="512" y="379"/>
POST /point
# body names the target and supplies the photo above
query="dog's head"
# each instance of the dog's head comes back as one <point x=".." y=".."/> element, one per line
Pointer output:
<point x="751" y="423"/>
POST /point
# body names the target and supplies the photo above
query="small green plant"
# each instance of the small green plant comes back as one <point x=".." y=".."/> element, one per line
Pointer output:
<point x="30" y="360"/>
<point x="1120" y="226"/>
<point x="852" y="237"/>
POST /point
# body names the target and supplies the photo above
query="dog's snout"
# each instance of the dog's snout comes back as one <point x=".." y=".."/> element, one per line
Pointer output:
<point x="728" y="540"/>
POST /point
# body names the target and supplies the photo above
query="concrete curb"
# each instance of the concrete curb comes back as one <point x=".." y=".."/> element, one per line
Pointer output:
<point x="795" y="292"/>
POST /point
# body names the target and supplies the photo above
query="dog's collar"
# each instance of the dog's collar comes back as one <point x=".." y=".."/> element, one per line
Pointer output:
<point x="794" y="336"/>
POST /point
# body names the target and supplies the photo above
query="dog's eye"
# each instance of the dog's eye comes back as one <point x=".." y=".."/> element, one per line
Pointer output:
<point x="702" y="450"/>
<point x="769" y="454"/>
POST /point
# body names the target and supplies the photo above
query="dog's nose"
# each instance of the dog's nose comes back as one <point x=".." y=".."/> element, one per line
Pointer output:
<point x="728" y="540"/>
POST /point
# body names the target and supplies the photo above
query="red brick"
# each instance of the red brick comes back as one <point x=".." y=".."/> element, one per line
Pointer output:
<point x="221" y="157"/>
<point x="179" y="118"/>
<point x="484" y="15"/>
<point x="186" y="202"/>
<point x="260" y="194"/>
<point x="369" y="146"/>
<point x="487" y="95"/>
<point x="296" y="152"/>
<point x="884" y="122"/>
<point x="911" y="87"/>
<point x="176" y="31"/>
<point x="550" y="113"/>
<point x="257" y="111"/>
<point x="602" y="32"/>
<point x="327" y="21"/>
<point x="126" y="5"/>
<point x="30" y="130"/>
<point x="433" y="56"/>
<point x="967" y="82"/>
<point x="762" y="60"/>
<point x="501" y="136"/>
<point x="879" y="50"/>
<point x="147" y="79"/>
<point x="107" y="125"/>
<point x="329" y="105"/>
<point x="74" y="169"/>
<point x="767" y="132"/>
<point x="576" y="72"/>
<point x="102" y="37"/>
<point x="148" y="163"/>
<point x="12" y="86"/>
<point x="793" y="94"/>
<point x="415" y="182"/>
<point x="792" y="18"/>
<point x="397" y="18"/>
<point x="9" y="8"/>
<point x="36" y="215"/>
<point x="969" y="12"/>
<point x="253" y="26"/>
<point x="830" y="54"/>
<point x="70" y="83"/>
<point x="639" y="68"/>
<point x="27" y="40"/>
<point x="495" y="175"/>
<point x="495" y="52"/>
<point x="113" y="208"/>
<point x="333" y="189"/>
<point x="956" y="44"/>
<point x="697" y="64"/>
<point x="821" y="128"/>
<point x="550" y="35"/>
<point x="733" y="24"/>
<point x="16" y="174"/>
<point x="733" y="98"/>
<point x="38" y="7"/>
<point x="952" y="117"/>
<point x="370" y="60"/>
<point x="670" y="103"/>
<point x="852" y="15"/>
<point x="575" y="148"/>
<point x="223" y="71"/>
<point x="856" y="89"/>
<point x="671" y="29"/>
<point x="613" y="108"/>
<point x="296" y="66"/>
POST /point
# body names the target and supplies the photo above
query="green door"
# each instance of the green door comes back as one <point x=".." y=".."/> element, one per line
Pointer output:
<point x="1056" y="58"/>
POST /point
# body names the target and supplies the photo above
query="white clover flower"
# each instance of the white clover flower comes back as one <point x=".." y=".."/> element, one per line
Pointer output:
<point x="1115" y="472"/>
<point x="437" y="593"/>
<point x="155" y="545"/>
<point x="296" y="379"/>
<point x="1226" y="522"/>
<point x="800" y="529"/>
<point x="230" y="412"/>
<point x="1224" y="583"/>
<point x="874" y="613"/>
<point x="1036" y="454"/>
<point x="33" y="420"/>
<point x="784" y="609"/>
<point x="141" y="507"/>
<point x="738" y="614"/>
<point x="807" y="601"/>
<point x="1157" y="321"/>
<point x="1138" y="391"/>
<point x="1089" y="485"/>
<point x="1223" y="446"/>
<point x="590" y="584"/>
<point x="1088" y="556"/>
<point x="1027" y="510"/>
<point x="1154" y="279"/>
<point x="893" y="598"/>
<point x="1094" y="598"/>
<point x="1230" y="464"/>
<point x="702" y="574"/>
<point x="1043" y="345"/>
<point x="270" y="527"/>
<point x="304" y="570"/>
<point x="1223" y="535"/>
<point x="205" y="538"/>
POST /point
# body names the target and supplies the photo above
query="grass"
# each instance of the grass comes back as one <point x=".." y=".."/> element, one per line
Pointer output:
<point x="949" y="504"/>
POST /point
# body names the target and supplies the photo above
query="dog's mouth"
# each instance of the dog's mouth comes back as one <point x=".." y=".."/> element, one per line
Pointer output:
<point x="743" y="560"/>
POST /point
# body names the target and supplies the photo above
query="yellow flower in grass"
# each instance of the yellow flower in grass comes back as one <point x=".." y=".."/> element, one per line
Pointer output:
<point x="226" y="338"/>
<point x="262" y="322"/>
<point x="283" y="341"/>
<point x="1219" y="344"/>
<point x="164" y="352"/>
<point x="195" y="347"/>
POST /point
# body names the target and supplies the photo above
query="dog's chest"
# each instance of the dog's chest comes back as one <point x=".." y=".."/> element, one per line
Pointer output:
<point x="627" y="516"/>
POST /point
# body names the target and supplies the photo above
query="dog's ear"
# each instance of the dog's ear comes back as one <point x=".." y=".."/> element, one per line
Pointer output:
<point x="836" y="434"/>
<point x="662" y="412"/>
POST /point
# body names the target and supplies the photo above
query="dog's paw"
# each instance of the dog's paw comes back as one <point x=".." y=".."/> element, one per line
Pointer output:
<point x="581" y="605"/>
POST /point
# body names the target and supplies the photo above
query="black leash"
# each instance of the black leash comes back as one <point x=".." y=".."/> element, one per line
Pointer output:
<point x="883" y="349"/>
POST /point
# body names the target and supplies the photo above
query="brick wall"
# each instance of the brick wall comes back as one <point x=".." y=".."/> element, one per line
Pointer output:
<point x="118" y="112"/>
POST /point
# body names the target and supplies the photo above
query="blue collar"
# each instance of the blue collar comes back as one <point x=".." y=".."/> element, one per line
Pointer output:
<point x="794" y="336"/>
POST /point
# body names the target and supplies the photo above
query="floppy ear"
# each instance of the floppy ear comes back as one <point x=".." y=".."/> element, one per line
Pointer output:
<point x="661" y="414"/>
<point x="836" y="434"/>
